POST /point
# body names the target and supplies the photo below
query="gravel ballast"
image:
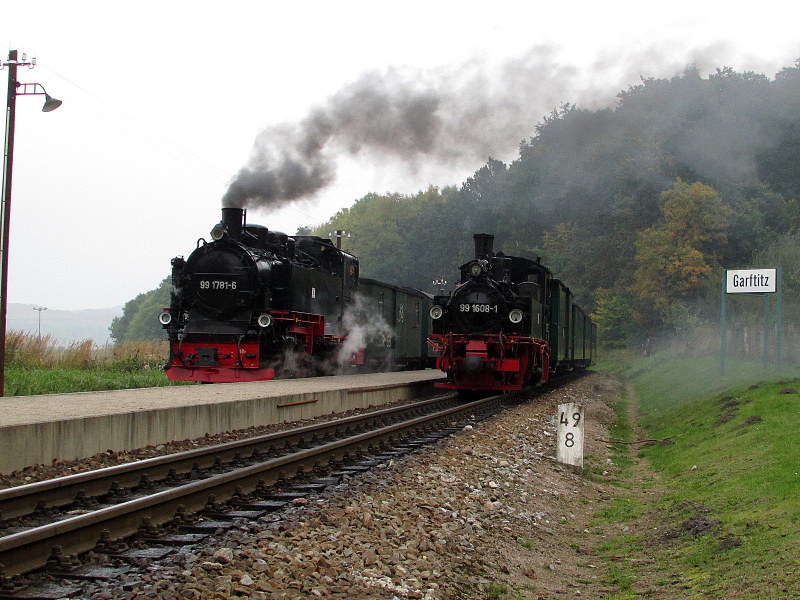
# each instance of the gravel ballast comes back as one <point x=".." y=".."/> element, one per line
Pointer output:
<point x="484" y="511"/>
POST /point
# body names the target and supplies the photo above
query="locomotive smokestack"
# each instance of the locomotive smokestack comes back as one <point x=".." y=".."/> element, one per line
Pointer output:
<point x="233" y="219"/>
<point x="484" y="243"/>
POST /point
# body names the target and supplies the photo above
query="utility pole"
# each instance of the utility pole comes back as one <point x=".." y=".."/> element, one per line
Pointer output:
<point x="40" y="309"/>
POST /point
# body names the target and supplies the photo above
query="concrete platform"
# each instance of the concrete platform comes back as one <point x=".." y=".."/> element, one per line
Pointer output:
<point x="39" y="429"/>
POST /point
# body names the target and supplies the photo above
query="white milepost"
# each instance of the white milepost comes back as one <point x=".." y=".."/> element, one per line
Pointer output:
<point x="569" y="434"/>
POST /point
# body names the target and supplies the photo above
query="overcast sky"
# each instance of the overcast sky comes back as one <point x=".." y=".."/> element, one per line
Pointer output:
<point x="163" y="101"/>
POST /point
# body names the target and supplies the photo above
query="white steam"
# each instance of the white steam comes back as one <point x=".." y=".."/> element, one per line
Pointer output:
<point x="363" y="324"/>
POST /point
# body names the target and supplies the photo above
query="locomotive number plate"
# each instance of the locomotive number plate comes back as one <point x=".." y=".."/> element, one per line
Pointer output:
<point x="217" y="285"/>
<point x="479" y="308"/>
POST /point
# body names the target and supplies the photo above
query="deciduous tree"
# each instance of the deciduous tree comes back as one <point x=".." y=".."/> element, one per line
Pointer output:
<point x="675" y="258"/>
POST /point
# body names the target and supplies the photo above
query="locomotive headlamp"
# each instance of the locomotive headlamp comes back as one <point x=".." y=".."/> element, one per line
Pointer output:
<point x="436" y="312"/>
<point x="515" y="316"/>
<point x="264" y="320"/>
<point x="218" y="232"/>
<point x="476" y="269"/>
<point x="165" y="318"/>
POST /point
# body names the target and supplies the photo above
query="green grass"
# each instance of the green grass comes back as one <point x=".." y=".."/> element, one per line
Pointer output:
<point x="665" y="383"/>
<point x="732" y="467"/>
<point x="621" y="430"/>
<point x="22" y="381"/>
<point x="620" y="574"/>
<point x="620" y="510"/>
<point x="497" y="591"/>
<point x="618" y="550"/>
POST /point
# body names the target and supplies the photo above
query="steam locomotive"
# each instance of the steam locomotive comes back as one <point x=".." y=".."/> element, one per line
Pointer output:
<point x="508" y="324"/>
<point x="255" y="304"/>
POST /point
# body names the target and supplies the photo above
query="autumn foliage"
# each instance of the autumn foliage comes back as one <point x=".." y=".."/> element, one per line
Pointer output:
<point x="676" y="258"/>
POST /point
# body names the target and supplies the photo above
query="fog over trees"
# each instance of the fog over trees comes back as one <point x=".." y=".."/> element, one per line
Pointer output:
<point x="637" y="207"/>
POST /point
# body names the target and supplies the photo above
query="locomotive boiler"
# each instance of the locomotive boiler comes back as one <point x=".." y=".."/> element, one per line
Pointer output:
<point x="508" y="324"/>
<point x="253" y="304"/>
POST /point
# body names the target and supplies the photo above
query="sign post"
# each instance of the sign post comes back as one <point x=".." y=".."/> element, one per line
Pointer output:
<point x="752" y="281"/>
<point x="723" y="324"/>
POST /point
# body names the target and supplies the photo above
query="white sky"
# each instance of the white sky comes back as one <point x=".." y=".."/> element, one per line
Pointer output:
<point x="162" y="102"/>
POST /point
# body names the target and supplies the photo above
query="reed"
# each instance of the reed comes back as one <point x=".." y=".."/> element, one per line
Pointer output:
<point x="31" y="351"/>
<point x="39" y="365"/>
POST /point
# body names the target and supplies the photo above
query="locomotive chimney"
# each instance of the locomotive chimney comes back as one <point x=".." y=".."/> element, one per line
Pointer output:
<point x="233" y="219"/>
<point x="483" y="245"/>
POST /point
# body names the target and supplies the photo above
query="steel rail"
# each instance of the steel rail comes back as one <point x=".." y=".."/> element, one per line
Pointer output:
<point x="29" y="550"/>
<point x="62" y="492"/>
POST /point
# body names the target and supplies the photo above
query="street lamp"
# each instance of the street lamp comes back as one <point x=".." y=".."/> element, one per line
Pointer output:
<point x="40" y="309"/>
<point x="15" y="88"/>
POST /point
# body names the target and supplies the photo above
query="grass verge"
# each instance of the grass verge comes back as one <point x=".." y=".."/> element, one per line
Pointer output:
<point x="39" y="365"/>
<point x="728" y="524"/>
<point x="25" y="381"/>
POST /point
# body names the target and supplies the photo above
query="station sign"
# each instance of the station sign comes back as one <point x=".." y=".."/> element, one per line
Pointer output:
<point x="752" y="281"/>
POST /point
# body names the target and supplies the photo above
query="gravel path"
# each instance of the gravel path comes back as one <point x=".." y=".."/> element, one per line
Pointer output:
<point x="485" y="513"/>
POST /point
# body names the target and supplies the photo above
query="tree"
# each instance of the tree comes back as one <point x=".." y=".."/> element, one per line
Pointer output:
<point x="784" y="252"/>
<point x="616" y="327"/>
<point x="139" y="319"/>
<point x="675" y="259"/>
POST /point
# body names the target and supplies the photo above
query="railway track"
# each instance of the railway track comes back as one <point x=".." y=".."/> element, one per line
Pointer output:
<point x="204" y="488"/>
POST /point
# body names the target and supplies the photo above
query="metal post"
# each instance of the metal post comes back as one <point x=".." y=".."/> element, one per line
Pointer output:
<point x="40" y="309"/>
<point x="779" y="319"/>
<point x="766" y="330"/>
<point x="723" y="323"/>
<point x="6" y="208"/>
<point x="14" y="89"/>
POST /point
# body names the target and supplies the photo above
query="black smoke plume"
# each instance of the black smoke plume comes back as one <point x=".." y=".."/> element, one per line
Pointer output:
<point x="447" y="116"/>
<point x="452" y="117"/>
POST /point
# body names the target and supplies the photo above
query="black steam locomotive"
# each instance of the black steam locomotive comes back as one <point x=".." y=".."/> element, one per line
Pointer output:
<point x="508" y="324"/>
<point x="255" y="304"/>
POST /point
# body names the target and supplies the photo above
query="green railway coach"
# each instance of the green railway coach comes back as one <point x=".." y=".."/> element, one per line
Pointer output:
<point x="400" y="326"/>
<point x="572" y="334"/>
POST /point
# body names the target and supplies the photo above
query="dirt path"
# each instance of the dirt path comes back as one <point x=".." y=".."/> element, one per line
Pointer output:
<point x="599" y="530"/>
